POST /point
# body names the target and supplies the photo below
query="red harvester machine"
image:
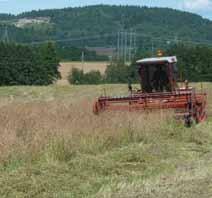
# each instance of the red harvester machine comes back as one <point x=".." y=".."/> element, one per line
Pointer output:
<point x="159" y="90"/>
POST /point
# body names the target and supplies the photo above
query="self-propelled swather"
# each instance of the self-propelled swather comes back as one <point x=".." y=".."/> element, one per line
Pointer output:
<point x="159" y="90"/>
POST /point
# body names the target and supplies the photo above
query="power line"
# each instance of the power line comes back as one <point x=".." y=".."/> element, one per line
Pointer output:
<point x="121" y="45"/>
<point x="175" y="39"/>
<point x="71" y="39"/>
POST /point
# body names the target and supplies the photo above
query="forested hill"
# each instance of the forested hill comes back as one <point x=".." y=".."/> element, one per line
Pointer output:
<point x="71" y="23"/>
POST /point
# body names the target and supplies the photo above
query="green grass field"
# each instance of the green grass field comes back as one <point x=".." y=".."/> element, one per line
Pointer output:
<point x="51" y="145"/>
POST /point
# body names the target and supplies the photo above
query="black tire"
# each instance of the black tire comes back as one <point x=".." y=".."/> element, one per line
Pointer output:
<point x="188" y="121"/>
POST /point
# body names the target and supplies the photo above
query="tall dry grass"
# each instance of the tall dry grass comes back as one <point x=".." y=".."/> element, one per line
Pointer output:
<point x="51" y="145"/>
<point x="59" y="130"/>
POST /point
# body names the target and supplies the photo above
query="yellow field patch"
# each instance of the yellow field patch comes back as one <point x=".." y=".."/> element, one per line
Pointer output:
<point x="66" y="67"/>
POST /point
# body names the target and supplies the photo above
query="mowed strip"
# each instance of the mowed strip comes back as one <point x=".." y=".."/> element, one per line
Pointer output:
<point x="66" y="67"/>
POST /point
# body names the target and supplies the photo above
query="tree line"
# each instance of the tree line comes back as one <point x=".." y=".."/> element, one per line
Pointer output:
<point x="38" y="65"/>
<point x="194" y="64"/>
<point x="27" y="65"/>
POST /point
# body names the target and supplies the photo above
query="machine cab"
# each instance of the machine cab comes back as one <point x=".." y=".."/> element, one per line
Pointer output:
<point x="158" y="74"/>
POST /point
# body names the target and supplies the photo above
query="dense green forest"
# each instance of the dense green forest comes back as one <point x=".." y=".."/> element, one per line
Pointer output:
<point x="98" y="25"/>
<point x="25" y="65"/>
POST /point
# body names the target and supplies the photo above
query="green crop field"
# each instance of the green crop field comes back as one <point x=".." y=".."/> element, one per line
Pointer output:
<point x="52" y="146"/>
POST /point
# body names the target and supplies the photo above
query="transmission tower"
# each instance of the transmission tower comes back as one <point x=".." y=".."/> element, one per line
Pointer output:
<point x="134" y="43"/>
<point x="126" y="46"/>
<point x="5" y="37"/>
<point x="122" y="45"/>
<point x="118" y="46"/>
<point x="83" y="59"/>
<point x="130" y="47"/>
<point x="153" y="48"/>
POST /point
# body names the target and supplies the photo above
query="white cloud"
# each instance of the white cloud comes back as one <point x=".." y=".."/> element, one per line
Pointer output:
<point x="197" y="4"/>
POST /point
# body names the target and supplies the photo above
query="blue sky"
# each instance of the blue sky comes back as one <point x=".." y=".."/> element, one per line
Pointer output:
<point x="202" y="7"/>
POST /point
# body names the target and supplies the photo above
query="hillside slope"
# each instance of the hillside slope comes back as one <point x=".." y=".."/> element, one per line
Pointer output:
<point x="102" y="19"/>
